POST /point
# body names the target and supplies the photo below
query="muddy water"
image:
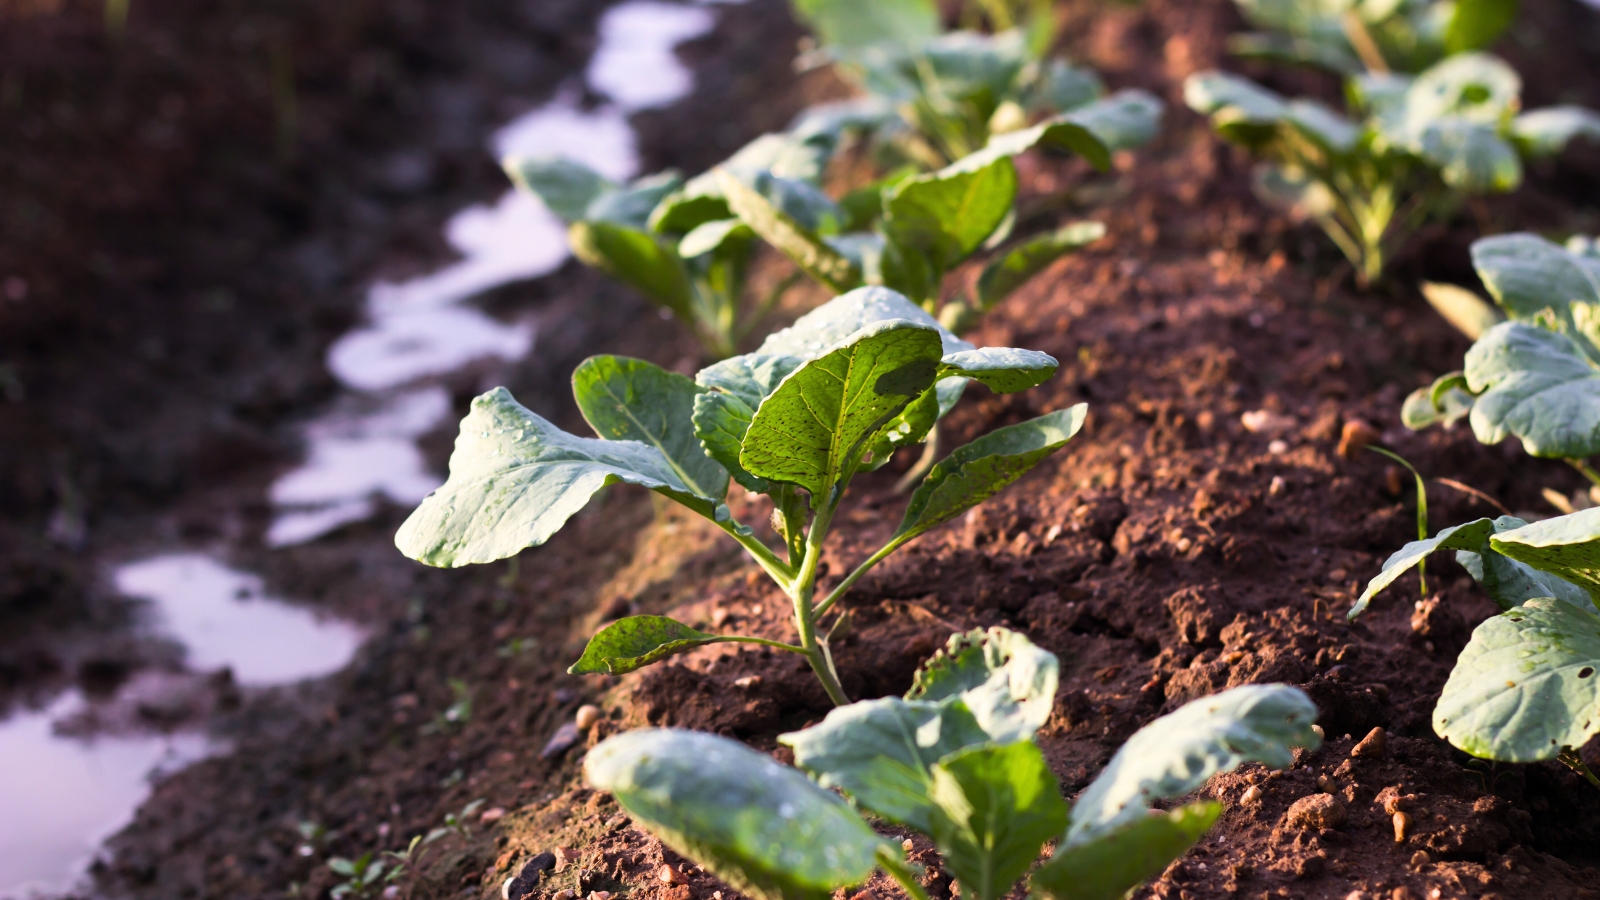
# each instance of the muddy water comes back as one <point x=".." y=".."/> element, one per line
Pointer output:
<point x="72" y="773"/>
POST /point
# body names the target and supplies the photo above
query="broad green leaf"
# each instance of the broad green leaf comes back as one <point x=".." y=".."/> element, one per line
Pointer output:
<point x="1525" y="687"/>
<point x="850" y="23"/>
<point x="969" y="67"/>
<point x="566" y="187"/>
<point x="1444" y="402"/>
<point x="1538" y="282"/>
<point x="947" y="215"/>
<point x="636" y="642"/>
<point x="763" y="828"/>
<point x="515" y="479"/>
<point x="1062" y="87"/>
<point x="1545" y="132"/>
<point x="1248" y="114"/>
<point x="1176" y="753"/>
<point x="811" y="430"/>
<point x="993" y="808"/>
<point x="1470" y="314"/>
<point x="626" y="399"/>
<point x="881" y="752"/>
<point x="637" y="258"/>
<point x="1536" y="385"/>
<point x="631" y="206"/>
<point x="681" y="212"/>
<point x="804" y="247"/>
<point x="1126" y="119"/>
<point x="1476" y="87"/>
<point x="722" y="414"/>
<point x="1334" y="55"/>
<point x="1005" y="370"/>
<point x="817" y="331"/>
<point x="834" y="118"/>
<point x="709" y="236"/>
<point x="1469" y="536"/>
<point x="979" y="470"/>
<point x="1295" y="191"/>
<point x="1476" y="23"/>
<point x="1567" y="547"/>
<point x="1016" y="266"/>
<point x="1471" y="156"/>
<point x="1064" y="132"/>
<point x="1007" y="682"/>
<point x="1108" y="866"/>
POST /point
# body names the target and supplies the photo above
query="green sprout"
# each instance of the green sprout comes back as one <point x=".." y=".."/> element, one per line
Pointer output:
<point x="834" y="395"/>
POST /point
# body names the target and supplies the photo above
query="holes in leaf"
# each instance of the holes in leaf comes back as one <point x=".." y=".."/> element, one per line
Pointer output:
<point x="1586" y="671"/>
<point x="1474" y="93"/>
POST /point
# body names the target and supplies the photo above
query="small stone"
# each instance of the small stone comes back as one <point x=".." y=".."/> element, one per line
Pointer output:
<point x="1325" y="784"/>
<point x="907" y="844"/>
<point x="599" y="895"/>
<point x="1402" y="826"/>
<point x="567" y="894"/>
<point x="492" y="815"/>
<point x="1262" y="421"/>
<point x="1317" y="811"/>
<point x="587" y="715"/>
<point x="1320" y="733"/>
<point x="561" y="741"/>
<point x="565" y="857"/>
<point x="391" y="892"/>
<point x="527" y="878"/>
<point x="1355" y="437"/>
<point x="1252" y="796"/>
<point x="617" y="821"/>
<point x="748" y="681"/>
<point x="1278" y="448"/>
<point x="1420" y="859"/>
<point x="669" y="874"/>
<point x="1276" y="486"/>
<point x="1372" y="746"/>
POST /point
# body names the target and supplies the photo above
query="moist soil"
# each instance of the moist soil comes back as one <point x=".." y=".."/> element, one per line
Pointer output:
<point x="187" y="264"/>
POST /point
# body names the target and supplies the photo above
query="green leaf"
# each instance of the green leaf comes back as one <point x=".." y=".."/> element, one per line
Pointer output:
<point x="1060" y="132"/>
<point x="1419" y="410"/>
<point x="1333" y="55"/>
<point x="637" y="258"/>
<point x="881" y="752"/>
<point x="1475" y="87"/>
<point x="1176" y="753"/>
<point x="1108" y="866"/>
<point x="566" y="187"/>
<point x="1476" y="23"/>
<point x="1062" y="87"/>
<point x="763" y="828"/>
<point x="1567" y="547"/>
<point x="817" y="331"/>
<point x="635" y="642"/>
<point x="1124" y="120"/>
<point x="848" y="23"/>
<point x="709" y="236"/>
<point x="1007" y="682"/>
<point x="1525" y="687"/>
<point x="1005" y="370"/>
<point x="1538" y="282"/>
<point x="1536" y="385"/>
<point x="981" y="469"/>
<point x="515" y="479"/>
<point x="948" y="214"/>
<point x="804" y="247"/>
<point x="720" y="422"/>
<point x="993" y="808"/>
<point x="1468" y="536"/>
<point x="1471" y="156"/>
<point x="1546" y="132"/>
<point x="626" y="399"/>
<point x="631" y="206"/>
<point x="1248" y="114"/>
<point x="812" y="429"/>
<point x="1016" y="266"/>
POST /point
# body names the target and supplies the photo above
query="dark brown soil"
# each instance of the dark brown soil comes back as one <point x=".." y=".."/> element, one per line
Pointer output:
<point x="1165" y="554"/>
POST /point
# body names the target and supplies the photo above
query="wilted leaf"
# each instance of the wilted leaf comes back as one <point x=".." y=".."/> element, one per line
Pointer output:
<point x="1007" y="682"/>
<point x="1176" y="753"/>
<point x="1526" y="685"/>
<point x="515" y="479"/>
<point x="1466" y="311"/>
<point x="762" y="827"/>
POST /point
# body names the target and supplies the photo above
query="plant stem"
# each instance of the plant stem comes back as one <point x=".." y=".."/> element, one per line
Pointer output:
<point x="1573" y="761"/>
<point x="803" y="589"/>
<point x="746" y="639"/>
<point x="1587" y="470"/>
<point x="1422" y="508"/>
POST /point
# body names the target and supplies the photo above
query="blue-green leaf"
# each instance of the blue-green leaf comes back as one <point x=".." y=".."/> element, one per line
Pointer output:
<point x="627" y="399"/>
<point x="993" y="806"/>
<point x="1108" y="866"/>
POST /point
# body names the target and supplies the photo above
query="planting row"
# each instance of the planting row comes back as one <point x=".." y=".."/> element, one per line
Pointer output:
<point x="1430" y="120"/>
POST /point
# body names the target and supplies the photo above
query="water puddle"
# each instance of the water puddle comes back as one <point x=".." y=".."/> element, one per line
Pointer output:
<point x="74" y="772"/>
<point x="419" y="329"/>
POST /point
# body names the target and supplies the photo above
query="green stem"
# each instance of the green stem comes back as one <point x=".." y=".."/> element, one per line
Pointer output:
<point x="1422" y="508"/>
<point x="746" y="639"/>
<point x="1573" y="761"/>
<point x="780" y="571"/>
<point x="1587" y="470"/>
<point x="901" y="872"/>
<point x="805" y="616"/>
<point x="853" y="577"/>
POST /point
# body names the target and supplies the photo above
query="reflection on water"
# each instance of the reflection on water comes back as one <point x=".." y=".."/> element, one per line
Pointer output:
<point x="65" y="786"/>
<point x="419" y="329"/>
<point x="61" y="797"/>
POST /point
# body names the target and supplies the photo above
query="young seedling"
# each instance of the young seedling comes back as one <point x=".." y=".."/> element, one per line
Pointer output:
<point x="907" y="231"/>
<point x="675" y="241"/>
<point x="1349" y="36"/>
<point x="833" y="395"/>
<point x="955" y="760"/>
<point x="934" y="98"/>
<point x="1415" y="150"/>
